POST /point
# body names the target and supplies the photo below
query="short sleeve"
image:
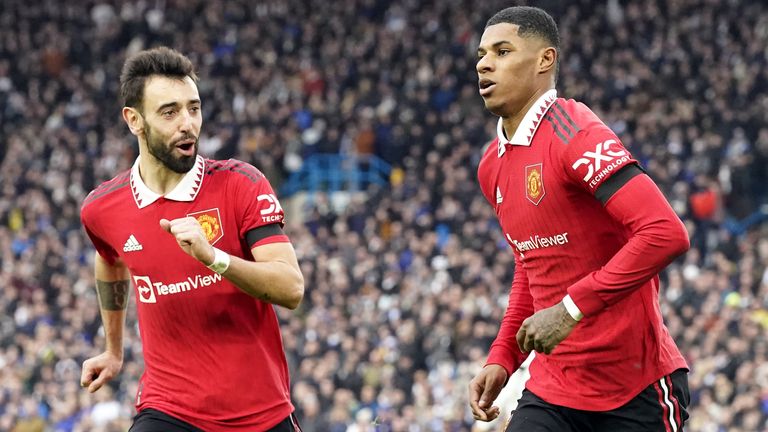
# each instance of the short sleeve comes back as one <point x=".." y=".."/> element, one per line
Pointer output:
<point x="594" y="156"/>
<point x="261" y="206"/>
<point x="102" y="247"/>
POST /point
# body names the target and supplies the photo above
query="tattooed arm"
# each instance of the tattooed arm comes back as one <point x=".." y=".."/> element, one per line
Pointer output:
<point x="113" y="288"/>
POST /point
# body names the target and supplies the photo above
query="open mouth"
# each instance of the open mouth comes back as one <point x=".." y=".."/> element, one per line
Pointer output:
<point x="187" y="146"/>
<point x="486" y="86"/>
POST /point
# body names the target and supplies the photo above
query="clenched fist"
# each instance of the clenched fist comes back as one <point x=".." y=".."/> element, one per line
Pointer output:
<point x="545" y="329"/>
<point x="190" y="237"/>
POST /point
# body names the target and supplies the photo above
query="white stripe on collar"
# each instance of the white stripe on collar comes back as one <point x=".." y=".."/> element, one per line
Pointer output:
<point x="527" y="128"/>
<point x="186" y="190"/>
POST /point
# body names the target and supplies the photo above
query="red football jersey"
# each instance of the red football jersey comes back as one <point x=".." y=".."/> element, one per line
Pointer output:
<point x="213" y="354"/>
<point x="541" y="184"/>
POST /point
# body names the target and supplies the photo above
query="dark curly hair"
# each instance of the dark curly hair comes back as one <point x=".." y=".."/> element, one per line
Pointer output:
<point x="157" y="61"/>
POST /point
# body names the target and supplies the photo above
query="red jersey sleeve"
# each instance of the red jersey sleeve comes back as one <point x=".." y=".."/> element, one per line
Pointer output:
<point x="504" y="350"/>
<point x="259" y="207"/>
<point x="102" y="247"/>
<point x="594" y="156"/>
<point x="657" y="237"/>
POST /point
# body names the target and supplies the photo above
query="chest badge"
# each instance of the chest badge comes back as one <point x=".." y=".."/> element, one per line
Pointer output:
<point x="534" y="183"/>
<point x="210" y="220"/>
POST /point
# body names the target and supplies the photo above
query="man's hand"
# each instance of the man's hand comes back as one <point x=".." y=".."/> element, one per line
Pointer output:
<point x="190" y="237"/>
<point x="483" y="390"/>
<point x="100" y="369"/>
<point x="542" y="331"/>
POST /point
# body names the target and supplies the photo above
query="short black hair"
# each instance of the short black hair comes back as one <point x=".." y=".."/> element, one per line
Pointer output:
<point x="162" y="61"/>
<point x="531" y="21"/>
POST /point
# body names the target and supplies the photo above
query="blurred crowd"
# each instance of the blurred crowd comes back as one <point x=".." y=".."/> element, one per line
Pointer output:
<point x="407" y="284"/>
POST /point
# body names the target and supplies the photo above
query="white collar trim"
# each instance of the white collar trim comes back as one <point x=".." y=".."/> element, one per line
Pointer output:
<point x="527" y="128"/>
<point x="186" y="190"/>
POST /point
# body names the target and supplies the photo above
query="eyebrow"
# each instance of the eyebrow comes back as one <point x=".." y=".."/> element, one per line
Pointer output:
<point x="496" y="45"/>
<point x="175" y="104"/>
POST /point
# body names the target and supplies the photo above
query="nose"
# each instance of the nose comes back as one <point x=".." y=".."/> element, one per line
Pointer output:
<point x="185" y="121"/>
<point x="484" y="64"/>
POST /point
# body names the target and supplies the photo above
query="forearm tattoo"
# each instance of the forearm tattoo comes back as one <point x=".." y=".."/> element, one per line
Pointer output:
<point x="113" y="295"/>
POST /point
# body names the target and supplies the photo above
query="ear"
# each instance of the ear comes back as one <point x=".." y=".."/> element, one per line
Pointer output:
<point x="547" y="59"/>
<point x="134" y="120"/>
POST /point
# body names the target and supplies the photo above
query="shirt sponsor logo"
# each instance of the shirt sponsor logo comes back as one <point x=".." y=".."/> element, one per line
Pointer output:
<point x="273" y="212"/>
<point x="210" y="221"/>
<point x="537" y="242"/>
<point x="149" y="291"/>
<point x="609" y="152"/>
<point x="534" y="183"/>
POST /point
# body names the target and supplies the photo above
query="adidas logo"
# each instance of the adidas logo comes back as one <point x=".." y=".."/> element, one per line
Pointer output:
<point x="132" y="245"/>
<point x="499" y="198"/>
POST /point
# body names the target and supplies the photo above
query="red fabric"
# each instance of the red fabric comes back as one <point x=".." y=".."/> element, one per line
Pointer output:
<point x="213" y="354"/>
<point x="607" y="257"/>
<point x="504" y="350"/>
<point x="657" y="237"/>
<point x="704" y="204"/>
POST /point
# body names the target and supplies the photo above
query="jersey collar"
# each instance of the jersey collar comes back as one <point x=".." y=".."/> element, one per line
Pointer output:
<point x="186" y="190"/>
<point x="524" y="133"/>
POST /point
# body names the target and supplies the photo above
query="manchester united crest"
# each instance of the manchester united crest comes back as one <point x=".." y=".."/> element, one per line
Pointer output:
<point x="210" y="220"/>
<point x="534" y="183"/>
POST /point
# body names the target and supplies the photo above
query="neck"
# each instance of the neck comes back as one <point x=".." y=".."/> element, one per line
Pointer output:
<point x="512" y="122"/>
<point x="155" y="175"/>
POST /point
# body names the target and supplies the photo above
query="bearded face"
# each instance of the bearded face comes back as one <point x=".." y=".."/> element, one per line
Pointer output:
<point x="178" y="155"/>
